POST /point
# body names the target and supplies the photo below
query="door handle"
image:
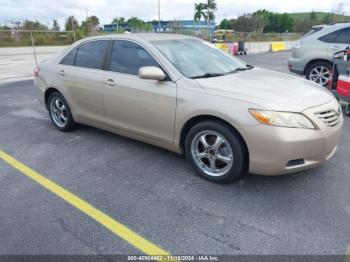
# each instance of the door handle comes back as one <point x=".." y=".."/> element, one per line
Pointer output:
<point x="109" y="82"/>
<point x="62" y="73"/>
<point x="334" y="47"/>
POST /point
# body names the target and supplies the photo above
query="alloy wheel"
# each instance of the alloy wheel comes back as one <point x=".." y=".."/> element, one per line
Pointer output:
<point x="319" y="75"/>
<point x="58" y="112"/>
<point x="212" y="153"/>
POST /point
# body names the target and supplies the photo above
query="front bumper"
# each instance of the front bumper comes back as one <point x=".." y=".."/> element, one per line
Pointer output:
<point x="279" y="150"/>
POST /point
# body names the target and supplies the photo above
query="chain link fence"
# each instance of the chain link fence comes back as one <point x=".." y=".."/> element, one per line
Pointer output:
<point x="18" y="38"/>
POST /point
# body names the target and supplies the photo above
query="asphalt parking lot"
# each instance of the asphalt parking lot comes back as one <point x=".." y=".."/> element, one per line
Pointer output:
<point x="156" y="193"/>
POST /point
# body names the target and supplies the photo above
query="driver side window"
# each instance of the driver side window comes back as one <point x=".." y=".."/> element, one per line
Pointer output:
<point x="127" y="57"/>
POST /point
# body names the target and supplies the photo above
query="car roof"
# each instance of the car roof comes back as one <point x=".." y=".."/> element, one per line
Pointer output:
<point x="149" y="37"/>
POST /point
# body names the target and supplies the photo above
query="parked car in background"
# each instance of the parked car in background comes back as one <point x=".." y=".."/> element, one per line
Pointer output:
<point x="312" y="55"/>
<point x="339" y="84"/>
<point x="185" y="95"/>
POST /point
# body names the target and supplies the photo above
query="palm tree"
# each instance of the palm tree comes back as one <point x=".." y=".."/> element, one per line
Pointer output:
<point x="199" y="12"/>
<point x="211" y="7"/>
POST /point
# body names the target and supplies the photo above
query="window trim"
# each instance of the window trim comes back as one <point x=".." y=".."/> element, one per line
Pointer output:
<point x="109" y="57"/>
<point x="75" y="56"/>
<point x="338" y="32"/>
<point x="105" y="56"/>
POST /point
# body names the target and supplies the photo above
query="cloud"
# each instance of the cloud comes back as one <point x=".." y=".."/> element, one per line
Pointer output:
<point x="47" y="10"/>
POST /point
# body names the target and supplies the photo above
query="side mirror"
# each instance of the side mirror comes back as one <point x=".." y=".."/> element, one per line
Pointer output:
<point x="151" y="72"/>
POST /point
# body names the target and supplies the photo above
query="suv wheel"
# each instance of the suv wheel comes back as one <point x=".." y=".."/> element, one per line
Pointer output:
<point x="319" y="72"/>
<point x="60" y="113"/>
<point x="215" y="151"/>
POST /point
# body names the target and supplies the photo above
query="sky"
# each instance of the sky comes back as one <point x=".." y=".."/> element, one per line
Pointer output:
<point x="47" y="10"/>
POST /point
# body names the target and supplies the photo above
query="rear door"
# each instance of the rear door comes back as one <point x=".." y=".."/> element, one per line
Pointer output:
<point x="82" y="75"/>
<point x="143" y="107"/>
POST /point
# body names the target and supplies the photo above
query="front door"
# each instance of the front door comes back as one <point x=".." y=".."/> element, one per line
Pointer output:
<point x="143" y="107"/>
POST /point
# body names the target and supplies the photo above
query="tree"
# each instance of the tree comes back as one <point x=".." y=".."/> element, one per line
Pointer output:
<point x="302" y="25"/>
<point x="211" y="7"/>
<point x="225" y="24"/>
<point x="31" y="25"/>
<point x="261" y="18"/>
<point x="119" y="20"/>
<point x="93" y="21"/>
<point x="137" y="24"/>
<point x="55" y="25"/>
<point x="339" y="10"/>
<point x="71" y="23"/>
<point x="90" y="25"/>
<point x="199" y="11"/>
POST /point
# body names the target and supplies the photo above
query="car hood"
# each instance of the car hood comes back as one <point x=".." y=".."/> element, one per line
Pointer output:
<point x="269" y="89"/>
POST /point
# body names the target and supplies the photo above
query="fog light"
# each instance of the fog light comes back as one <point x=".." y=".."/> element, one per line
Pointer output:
<point x="295" y="162"/>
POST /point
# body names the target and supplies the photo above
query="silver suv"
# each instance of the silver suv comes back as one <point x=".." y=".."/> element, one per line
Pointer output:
<point x="312" y="54"/>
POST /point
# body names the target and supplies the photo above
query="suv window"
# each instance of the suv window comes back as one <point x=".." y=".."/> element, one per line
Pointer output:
<point x="341" y="36"/>
<point x="127" y="57"/>
<point x="91" y="54"/>
<point x="70" y="58"/>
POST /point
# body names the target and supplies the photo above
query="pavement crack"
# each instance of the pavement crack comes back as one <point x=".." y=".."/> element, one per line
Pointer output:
<point x="223" y="242"/>
<point x="253" y="227"/>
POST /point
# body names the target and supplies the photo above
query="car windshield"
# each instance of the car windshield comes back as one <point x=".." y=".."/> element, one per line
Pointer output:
<point x="198" y="59"/>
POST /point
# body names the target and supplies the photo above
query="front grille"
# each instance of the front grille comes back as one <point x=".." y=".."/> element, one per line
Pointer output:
<point x="330" y="117"/>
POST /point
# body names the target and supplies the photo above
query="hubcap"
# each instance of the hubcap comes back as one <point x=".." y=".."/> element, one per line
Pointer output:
<point x="319" y="75"/>
<point x="58" y="112"/>
<point x="212" y="153"/>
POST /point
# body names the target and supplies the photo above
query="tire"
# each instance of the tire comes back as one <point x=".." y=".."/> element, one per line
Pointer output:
<point x="323" y="68"/>
<point x="60" y="113"/>
<point x="224" y="152"/>
<point x="347" y="110"/>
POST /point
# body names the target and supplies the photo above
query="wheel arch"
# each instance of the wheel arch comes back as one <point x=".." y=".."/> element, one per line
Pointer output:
<point x="200" y="118"/>
<point x="313" y="61"/>
<point x="47" y="94"/>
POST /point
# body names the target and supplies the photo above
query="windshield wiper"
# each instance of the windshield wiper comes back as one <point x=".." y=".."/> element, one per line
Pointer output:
<point x="206" y="75"/>
<point x="238" y="69"/>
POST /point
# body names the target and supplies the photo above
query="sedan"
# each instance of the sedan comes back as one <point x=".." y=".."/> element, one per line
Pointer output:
<point x="183" y="94"/>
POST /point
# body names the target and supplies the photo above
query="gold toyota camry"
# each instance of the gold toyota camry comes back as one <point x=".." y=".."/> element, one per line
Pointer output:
<point x="185" y="95"/>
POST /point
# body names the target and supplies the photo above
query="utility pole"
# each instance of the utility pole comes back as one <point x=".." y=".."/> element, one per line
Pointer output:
<point x="87" y="20"/>
<point x="159" y="15"/>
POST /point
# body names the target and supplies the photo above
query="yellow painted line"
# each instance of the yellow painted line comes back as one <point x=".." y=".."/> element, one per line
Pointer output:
<point x="347" y="255"/>
<point x="116" y="227"/>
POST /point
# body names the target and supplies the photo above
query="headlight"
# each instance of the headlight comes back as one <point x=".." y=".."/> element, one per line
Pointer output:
<point x="282" y="119"/>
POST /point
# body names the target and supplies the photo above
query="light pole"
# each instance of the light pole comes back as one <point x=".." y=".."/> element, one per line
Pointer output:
<point x="159" y="15"/>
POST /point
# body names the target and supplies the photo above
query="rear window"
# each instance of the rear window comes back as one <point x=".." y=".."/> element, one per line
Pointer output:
<point x="70" y="58"/>
<point x="341" y="36"/>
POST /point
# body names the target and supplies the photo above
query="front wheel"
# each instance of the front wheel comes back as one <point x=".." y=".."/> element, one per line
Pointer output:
<point x="216" y="151"/>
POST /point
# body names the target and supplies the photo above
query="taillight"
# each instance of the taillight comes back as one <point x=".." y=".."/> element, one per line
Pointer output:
<point x="36" y="71"/>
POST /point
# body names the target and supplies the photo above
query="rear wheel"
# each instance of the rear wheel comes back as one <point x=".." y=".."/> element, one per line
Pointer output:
<point x="319" y="72"/>
<point x="216" y="152"/>
<point x="60" y="113"/>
